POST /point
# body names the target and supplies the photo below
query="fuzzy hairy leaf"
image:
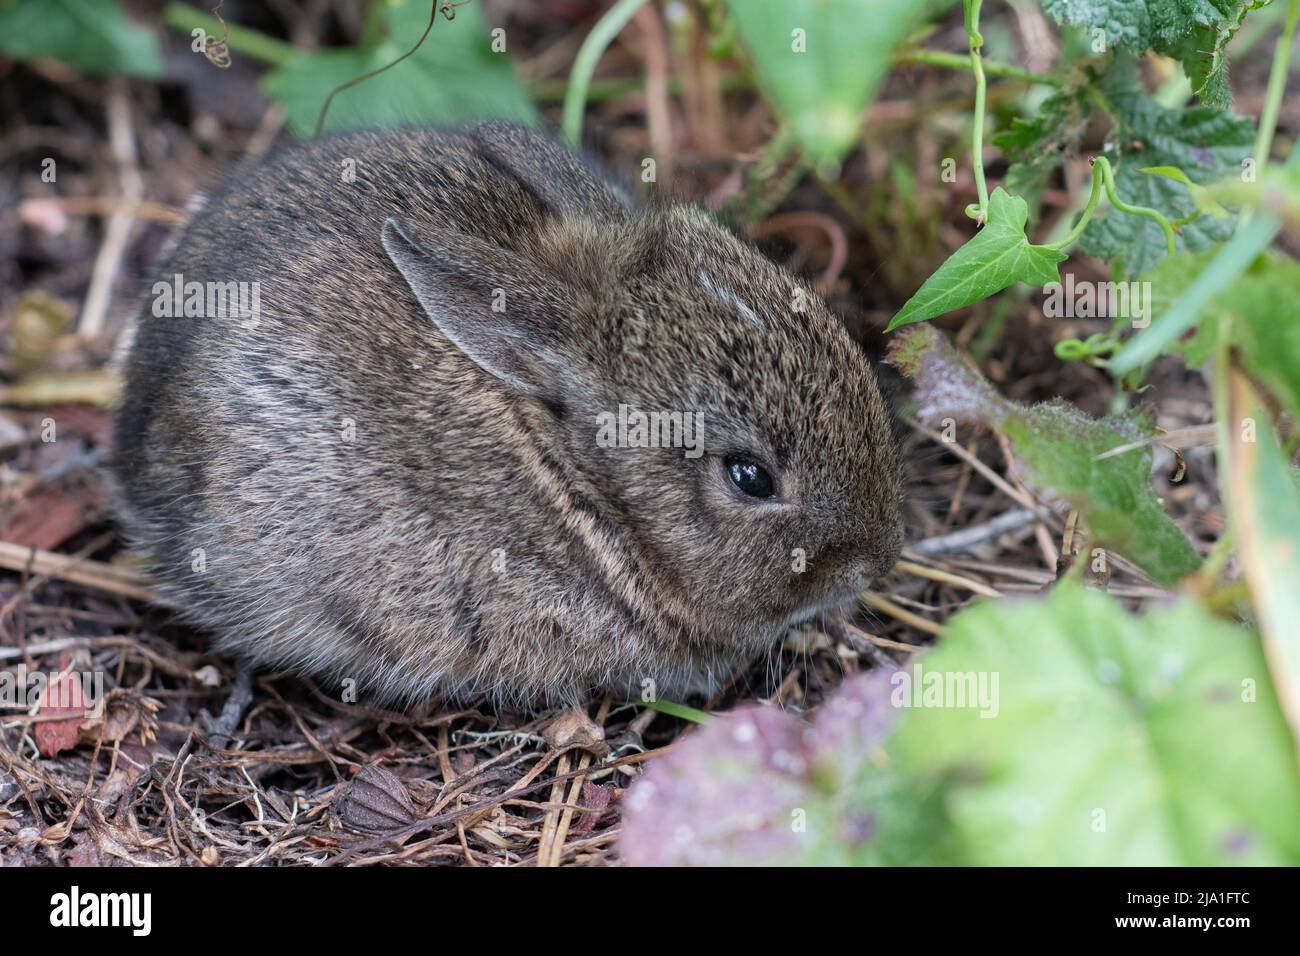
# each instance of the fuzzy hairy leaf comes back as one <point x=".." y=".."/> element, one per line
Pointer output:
<point x="454" y="76"/>
<point x="1056" y="448"/>
<point x="1206" y="71"/>
<point x="1204" y="143"/>
<point x="1203" y="53"/>
<point x="999" y="255"/>
<point x="1140" y="24"/>
<point x="1118" y="740"/>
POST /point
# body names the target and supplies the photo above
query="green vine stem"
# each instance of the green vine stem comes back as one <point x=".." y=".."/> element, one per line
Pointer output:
<point x="979" y="211"/>
<point x="1092" y="350"/>
<point x="584" y="65"/>
<point x="1103" y="178"/>
<point x="955" y="61"/>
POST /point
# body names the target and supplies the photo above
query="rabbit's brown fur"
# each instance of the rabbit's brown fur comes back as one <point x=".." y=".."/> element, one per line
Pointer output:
<point x="471" y="537"/>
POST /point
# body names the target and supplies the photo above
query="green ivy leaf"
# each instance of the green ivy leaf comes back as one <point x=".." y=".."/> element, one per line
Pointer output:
<point x="999" y="255"/>
<point x="1057" y="448"/>
<point x="94" y="36"/>
<point x="800" y="49"/>
<point x="1140" y="24"/>
<point x="454" y="76"/>
<point x="1204" y="143"/>
<point x="1117" y="740"/>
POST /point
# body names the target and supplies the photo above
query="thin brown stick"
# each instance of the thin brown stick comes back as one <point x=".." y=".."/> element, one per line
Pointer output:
<point x="91" y="574"/>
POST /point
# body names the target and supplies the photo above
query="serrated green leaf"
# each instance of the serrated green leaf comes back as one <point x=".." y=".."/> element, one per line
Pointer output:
<point x="1206" y="71"/>
<point x="1204" y="143"/>
<point x="1000" y="254"/>
<point x="801" y="49"/>
<point x="454" y="76"/>
<point x="1204" y="54"/>
<point x="1117" y="740"/>
<point x="1057" y="449"/>
<point x="94" y="36"/>
<point x="1140" y="24"/>
<point x="1036" y="147"/>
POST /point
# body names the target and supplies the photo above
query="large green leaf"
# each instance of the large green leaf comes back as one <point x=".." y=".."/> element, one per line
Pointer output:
<point x="1056" y="730"/>
<point x="819" y="62"/>
<point x="1117" y="740"/>
<point x="94" y="36"/>
<point x="997" y="256"/>
<point x="1057" y="448"/>
<point x="1204" y="143"/>
<point x="454" y="76"/>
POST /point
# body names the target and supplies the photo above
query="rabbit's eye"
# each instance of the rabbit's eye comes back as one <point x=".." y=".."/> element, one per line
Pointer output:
<point x="749" y="476"/>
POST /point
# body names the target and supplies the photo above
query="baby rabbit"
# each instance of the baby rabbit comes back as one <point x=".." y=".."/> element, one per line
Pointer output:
<point x="411" y="457"/>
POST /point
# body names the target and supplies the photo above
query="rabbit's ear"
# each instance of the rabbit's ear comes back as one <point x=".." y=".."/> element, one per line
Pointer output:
<point x="559" y="178"/>
<point x="494" y="305"/>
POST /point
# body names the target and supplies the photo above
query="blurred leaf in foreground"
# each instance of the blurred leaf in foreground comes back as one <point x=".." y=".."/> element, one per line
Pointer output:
<point x="819" y="62"/>
<point x="998" y="256"/>
<point x="1118" y="740"/>
<point x="1057" y="446"/>
<point x="1262" y="303"/>
<point x="1264" y="504"/>
<point x="760" y="786"/>
<point x="94" y="36"/>
<point x="1095" y="737"/>
<point x="453" y="77"/>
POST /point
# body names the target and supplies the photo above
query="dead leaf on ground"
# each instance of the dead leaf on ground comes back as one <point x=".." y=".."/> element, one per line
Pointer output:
<point x="375" y="800"/>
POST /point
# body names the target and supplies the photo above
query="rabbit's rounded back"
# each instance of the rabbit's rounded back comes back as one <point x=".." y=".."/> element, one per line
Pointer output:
<point x="411" y="458"/>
